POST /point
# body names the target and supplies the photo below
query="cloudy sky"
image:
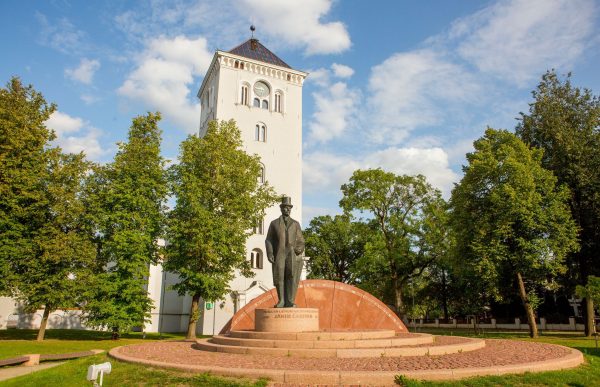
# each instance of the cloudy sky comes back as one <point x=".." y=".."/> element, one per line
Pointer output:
<point x="402" y="85"/>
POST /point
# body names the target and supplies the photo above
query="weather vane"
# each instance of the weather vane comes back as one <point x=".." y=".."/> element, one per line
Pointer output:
<point x="252" y="28"/>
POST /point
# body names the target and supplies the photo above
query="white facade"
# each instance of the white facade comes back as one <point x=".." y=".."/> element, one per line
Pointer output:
<point x="233" y="86"/>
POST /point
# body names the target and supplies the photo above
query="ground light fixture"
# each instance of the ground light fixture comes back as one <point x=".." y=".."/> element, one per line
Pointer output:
<point x="95" y="369"/>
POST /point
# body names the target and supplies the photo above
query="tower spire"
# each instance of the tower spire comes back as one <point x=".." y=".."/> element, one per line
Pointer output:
<point x="252" y="29"/>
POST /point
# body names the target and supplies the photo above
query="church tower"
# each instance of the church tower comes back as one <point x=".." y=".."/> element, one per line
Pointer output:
<point x="263" y="94"/>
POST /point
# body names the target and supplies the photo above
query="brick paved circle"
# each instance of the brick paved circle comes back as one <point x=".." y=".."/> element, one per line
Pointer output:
<point x="497" y="357"/>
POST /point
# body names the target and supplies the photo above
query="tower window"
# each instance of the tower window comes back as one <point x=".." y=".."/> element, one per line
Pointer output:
<point x="260" y="132"/>
<point x="277" y="106"/>
<point x="256" y="259"/>
<point x="244" y="95"/>
<point x="259" y="227"/>
<point x="256" y="102"/>
<point x="265" y="104"/>
<point x="236" y="64"/>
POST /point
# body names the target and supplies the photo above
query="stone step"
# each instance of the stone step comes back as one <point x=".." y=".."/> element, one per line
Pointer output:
<point x="321" y="335"/>
<point x="413" y="339"/>
<point x="465" y="345"/>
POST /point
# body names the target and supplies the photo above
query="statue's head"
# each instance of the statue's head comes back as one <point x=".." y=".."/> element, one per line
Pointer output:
<point x="286" y="205"/>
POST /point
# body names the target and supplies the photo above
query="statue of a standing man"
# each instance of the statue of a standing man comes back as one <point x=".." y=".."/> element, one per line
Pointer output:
<point x="284" y="245"/>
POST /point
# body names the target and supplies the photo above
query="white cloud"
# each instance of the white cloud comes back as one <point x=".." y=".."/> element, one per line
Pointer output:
<point x="89" y="99"/>
<point x="335" y="107"/>
<point x="74" y="135"/>
<point x="342" y="71"/>
<point x="299" y="25"/>
<point x="321" y="77"/>
<point x="166" y="73"/>
<point x="85" y="72"/>
<point x="309" y="212"/>
<point x="325" y="172"/>
<point x="60" y="35"/>
<point x="518" y="40"/>
<point x="63" y="123"/>
<point x="415" y="89"/>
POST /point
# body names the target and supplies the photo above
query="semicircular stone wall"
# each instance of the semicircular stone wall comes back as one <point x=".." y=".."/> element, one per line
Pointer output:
<point x="341" y="307"/>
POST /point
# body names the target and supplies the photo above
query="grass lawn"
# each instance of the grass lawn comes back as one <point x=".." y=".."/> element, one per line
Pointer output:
<point x="72" y="373"/>
<point x="15" y="342"/>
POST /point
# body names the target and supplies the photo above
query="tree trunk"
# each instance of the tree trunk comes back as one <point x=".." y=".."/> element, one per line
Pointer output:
<point x="533" y="331"/>
<point x="398" y="303"/>
<point x="43" y="323"/>
<point x="444" y="296"/>
<point x="589" y="317"/>
<point x="191" y="332"/>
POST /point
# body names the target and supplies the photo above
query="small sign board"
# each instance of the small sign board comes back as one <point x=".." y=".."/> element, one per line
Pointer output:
<point x="209" y="305"/>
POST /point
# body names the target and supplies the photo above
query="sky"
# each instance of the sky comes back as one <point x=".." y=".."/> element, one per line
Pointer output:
<point x="405" y="86"/>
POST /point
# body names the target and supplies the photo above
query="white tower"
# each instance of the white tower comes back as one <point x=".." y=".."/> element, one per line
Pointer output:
<point x="263" y="95"/>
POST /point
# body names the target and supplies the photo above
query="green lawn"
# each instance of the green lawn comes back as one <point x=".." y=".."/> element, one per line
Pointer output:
<point x="72" y="373"/>
<point x="15" y="342"/>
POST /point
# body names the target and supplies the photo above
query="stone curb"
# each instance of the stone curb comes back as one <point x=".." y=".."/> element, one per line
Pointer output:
<point x="573" y="359"/>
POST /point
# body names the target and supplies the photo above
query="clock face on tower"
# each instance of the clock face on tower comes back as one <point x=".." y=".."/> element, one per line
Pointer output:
<point x="261" y="89"/>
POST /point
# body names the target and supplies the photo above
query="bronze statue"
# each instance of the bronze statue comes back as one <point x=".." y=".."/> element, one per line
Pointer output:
<point x="284" y="245"/>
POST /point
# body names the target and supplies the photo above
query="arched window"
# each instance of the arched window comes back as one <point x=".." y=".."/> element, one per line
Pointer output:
<point x="256" y="259"/>
<point x="236" y="64"/>
<point x="259" y="227"/>
<point x="261" y="176"/>
<point x="260" y="132"/>
<point x="262" y="92"/>
<point x="277" y="106"/>
<point x="244" y="95"/>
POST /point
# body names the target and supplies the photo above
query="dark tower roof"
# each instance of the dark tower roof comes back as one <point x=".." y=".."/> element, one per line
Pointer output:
<point x="252" y="49"/>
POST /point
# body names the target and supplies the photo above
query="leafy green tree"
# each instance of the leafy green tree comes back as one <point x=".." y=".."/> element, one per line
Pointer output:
<point x="334" y="244"/>
<point x="408" y="215"/>
<point x="128" y="197"/>
<point x="218" y="201"/>
<point x="564" y="121"/>
<point x="57" y="275"/>
<point x="24" y="157"/>
<point x="509" y="215"/>
<point x="46" y="244"/>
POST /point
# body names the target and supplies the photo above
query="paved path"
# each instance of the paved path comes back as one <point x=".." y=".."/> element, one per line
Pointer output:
<point x="497" y="358"/>
<point x="14" y="371"/>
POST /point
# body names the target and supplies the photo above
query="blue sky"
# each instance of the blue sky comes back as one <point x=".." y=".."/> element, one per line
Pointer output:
<point x="402" y="85"/>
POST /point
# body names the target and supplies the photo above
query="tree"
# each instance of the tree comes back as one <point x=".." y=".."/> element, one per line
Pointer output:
<point x="334" y="245"/>
<point x="218" y="201"/>
<point x="46" y="240"/>
<point x="128" y="197"/>
<point x="564" y="121"/>
<point x="24" y="157"/>
<point x="59" y="272"/>
<point x="409" y="216"/>
<point x="509" y="215"/>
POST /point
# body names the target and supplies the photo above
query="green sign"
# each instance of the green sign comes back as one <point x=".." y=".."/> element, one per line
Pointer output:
<point x="208" y="305"/>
